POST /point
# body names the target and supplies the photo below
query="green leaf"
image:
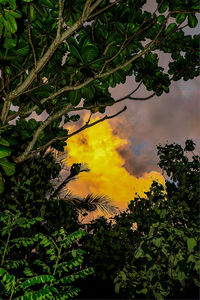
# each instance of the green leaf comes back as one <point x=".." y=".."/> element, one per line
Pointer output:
<point x="161" y="19"/>
<point x="192" y="20"/>
<point x="117" y="287"/>
<point x="10" y="23"/>
<point x="10" y="43"/>
<point x="75" y="97"/>
<point x="139" y="253"/>
<point x="37" y="280"/>
<point x="74" y="51"/>
<point x="27" y="0"/>
<point x="4" y="142"/>
<point x="4" y="151"/>
<point x="2" y="271"/>
<point x="170" y="28"/>
<point x="23" y="51"/>
<point x="180" y="18"/>
<point x="157" y="242"/>
<point x="143" y="291"/>
<point x="181" y="277"/>
<point x="163" y="7"/>
<point x="89" y="53"/>
<point x="191" y="243"/>
<point x="9" y="168"/>
<point x="12" y="4"/>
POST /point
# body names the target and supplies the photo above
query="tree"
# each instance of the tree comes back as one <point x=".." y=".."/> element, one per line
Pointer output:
<point x="151" y="250"/>
<point x="55" y="53"/>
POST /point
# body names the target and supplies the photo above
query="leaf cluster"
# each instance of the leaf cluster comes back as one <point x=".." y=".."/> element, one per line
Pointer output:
<point x="38" y="266"/>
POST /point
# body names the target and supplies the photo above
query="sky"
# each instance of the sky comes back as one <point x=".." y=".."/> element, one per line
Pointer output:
<point x="122" y="153"/>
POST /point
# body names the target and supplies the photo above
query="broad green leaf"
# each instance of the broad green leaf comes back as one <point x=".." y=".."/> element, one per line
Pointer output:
<point x="37" y="280"/>
<point x="192" y="20"/>
<point x="157" y="242"/>
<point x="170" y="28"/>
<point x="75" y="52"/>
<point x="180" y="18"/>
<point x="10" y="43"/>
<point x="10" y="23"/>
<point x="117" y="287"/>
<point x="27" y="0"/>
<point x="2" y="271"/>
<point x="89" y="53"/>
<point x="161" y="19"/>
<point x="163" y="7"/>
<point x="4" y="151"/>
<point x="4" y="142"/>
<point x="139" y="253"/>
<point x="8" y="167"/>
<point x="191" y="243"/>
<point x="181" y="277"/>
<point x="23" y="51"/>
<point x="75" y="97"/>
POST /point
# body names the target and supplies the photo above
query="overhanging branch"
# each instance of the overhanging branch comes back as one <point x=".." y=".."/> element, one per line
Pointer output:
<point x="31" y="154"/>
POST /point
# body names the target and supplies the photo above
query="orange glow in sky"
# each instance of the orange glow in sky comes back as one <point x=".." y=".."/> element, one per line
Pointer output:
<point x="97" y="146"/>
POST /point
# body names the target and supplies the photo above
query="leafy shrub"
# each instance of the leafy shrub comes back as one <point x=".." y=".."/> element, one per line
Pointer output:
<point x="38" y="266"/>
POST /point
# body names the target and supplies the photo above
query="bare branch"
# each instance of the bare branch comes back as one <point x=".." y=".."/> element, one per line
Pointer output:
<point x="95" y="5"/>
<point x="86" y="9"/>
<point x="135" y="99"/>
<point x="96" y="122"/>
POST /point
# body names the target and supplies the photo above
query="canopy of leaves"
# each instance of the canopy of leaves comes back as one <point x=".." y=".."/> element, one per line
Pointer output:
<point x="55" y="53"/>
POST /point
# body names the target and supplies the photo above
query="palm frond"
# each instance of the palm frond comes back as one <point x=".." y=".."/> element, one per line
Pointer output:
<point x="92" y="202"/>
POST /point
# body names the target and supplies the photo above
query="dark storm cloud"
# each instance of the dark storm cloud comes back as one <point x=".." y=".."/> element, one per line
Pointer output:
<point x="171" y="118"/>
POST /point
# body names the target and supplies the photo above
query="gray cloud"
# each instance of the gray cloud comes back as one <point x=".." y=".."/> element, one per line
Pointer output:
<point x="171" y="118"/>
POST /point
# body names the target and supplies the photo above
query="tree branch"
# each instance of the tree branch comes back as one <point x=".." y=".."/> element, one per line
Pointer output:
<point x="29" y="34"/>
<point x="144" y="51"/>
<point x="40" y="64"/>
<point x="103" y="9"/>
<point x="61" y="6"/>
<point x="49" y="120"/>
<point x="95" y="5"/>
<point x="86" y="9"/>
<point x="64" y="138"/>
<point x="53" y="95"/>
<point x="95" y="122"/>
<point x="135" y="99"/>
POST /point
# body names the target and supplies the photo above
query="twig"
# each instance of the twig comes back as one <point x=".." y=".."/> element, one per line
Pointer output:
<point x="96" y="122"/>
<point x="95" y="5"/>
<point x="86" y="9"/>
<point x="88" y="121"/>
<point x="29" y="34"/>
<point x="135" y="99"/>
